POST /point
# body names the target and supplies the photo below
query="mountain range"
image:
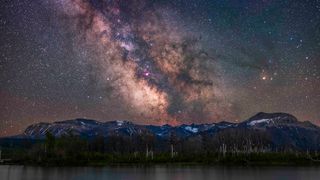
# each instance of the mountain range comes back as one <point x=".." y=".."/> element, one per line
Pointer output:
<point x="271" y="131"/>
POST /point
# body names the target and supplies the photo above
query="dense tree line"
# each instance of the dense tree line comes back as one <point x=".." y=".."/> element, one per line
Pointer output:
<point x="231" y="146"/>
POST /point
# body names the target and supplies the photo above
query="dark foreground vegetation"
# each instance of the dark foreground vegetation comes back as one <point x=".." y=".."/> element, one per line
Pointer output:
<point x="76" y="151"/>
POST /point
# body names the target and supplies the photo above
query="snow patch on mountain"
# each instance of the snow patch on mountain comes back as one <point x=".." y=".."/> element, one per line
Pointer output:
<point x="119" y="122"/>
<point x="191" y="129"/>
<point x="254" y="122"/>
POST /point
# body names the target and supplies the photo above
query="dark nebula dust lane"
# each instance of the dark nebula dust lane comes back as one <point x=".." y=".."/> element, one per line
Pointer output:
<point x="159" y="72"/>
<point x="156" y="62"/>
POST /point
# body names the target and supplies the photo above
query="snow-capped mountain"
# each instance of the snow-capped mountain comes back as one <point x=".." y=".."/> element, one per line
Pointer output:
<point x="275" y="119"/>
<point x="85" y="128"/>
<point x="283" y="129"/>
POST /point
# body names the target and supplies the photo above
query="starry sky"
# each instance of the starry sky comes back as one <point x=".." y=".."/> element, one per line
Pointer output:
<point x="157" y="61"/>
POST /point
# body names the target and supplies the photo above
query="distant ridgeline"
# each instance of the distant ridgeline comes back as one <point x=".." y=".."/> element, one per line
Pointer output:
<point x="261" y="134"/>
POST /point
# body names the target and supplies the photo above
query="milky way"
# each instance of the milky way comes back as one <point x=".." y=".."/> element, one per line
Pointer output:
<point x="156" y="62"/>
<point x="153" y="68"/>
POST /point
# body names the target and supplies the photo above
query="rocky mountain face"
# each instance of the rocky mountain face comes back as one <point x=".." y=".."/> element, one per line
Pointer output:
<point x="272" y="130"/>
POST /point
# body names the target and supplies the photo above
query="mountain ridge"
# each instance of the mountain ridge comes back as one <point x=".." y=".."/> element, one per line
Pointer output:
<point x="279" y="130"/>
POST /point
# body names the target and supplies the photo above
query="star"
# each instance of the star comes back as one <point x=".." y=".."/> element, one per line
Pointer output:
<point x="152" y="62"/>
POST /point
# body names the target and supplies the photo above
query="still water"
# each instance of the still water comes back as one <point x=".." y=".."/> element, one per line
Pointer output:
<point x="158" y="173"/>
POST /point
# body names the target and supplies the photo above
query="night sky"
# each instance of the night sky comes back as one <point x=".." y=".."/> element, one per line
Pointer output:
<point x="157" y="61"/>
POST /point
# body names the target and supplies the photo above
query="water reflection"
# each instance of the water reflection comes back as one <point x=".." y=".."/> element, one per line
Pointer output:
<point x="158" y="173"/>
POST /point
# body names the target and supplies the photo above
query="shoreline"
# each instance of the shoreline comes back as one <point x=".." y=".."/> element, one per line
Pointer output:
<point x="209" y="164"/>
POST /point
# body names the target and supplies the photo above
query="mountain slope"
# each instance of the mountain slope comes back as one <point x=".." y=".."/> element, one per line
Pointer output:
<point x="276" y="130"/>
